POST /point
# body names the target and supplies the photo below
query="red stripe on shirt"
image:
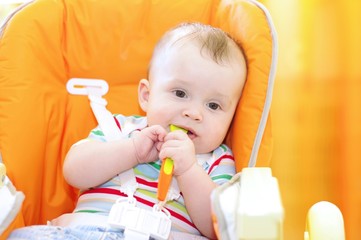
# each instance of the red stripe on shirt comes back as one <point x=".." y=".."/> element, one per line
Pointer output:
<point x="118" y="124"/>
<point x="104" y="190"/>
<point x="216" y="163"/>
<point x="147" y="183"/>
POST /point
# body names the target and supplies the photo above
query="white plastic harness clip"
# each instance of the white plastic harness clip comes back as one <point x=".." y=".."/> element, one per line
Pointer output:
<point x="138" y="223"/>
<point x="95" y="89"/>
<point x="81" y="86"/>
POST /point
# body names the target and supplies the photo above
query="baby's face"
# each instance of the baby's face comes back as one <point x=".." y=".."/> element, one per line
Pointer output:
<point x="191" y="91"/>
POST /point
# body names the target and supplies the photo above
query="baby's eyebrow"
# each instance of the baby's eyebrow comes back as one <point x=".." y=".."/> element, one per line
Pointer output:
<point x="180" y="81"/>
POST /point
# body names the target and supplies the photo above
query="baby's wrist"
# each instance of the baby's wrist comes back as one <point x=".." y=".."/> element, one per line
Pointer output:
<point x="185" y="170"/>
<point x="136" y="153"/>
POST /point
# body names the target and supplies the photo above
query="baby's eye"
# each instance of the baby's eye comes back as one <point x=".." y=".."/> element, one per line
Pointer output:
<point x="180" y="93"/>
<point x="214" y="106"/>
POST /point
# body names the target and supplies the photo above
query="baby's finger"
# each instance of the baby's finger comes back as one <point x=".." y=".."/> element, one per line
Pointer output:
<point x="159" y="145"/>
<point x="158" y="131"/>
<point x="176" y="135"/>
<point x="172" y="143"/>
<point x="167" y="152"/>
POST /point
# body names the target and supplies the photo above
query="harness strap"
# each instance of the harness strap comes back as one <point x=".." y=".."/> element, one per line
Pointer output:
<point x="95" y="89"/>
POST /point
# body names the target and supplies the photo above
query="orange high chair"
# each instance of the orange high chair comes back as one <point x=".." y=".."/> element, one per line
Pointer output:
<point x="47" y="42"/>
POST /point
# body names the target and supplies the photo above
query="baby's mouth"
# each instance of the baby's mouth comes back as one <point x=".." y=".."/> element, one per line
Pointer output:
<point x="191" y="134"/>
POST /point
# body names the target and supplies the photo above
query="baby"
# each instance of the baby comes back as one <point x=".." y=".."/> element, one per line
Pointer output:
<point x="195" y="80"/>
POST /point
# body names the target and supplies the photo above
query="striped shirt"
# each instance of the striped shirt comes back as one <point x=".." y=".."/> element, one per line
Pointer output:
<point x="219" y="165"/>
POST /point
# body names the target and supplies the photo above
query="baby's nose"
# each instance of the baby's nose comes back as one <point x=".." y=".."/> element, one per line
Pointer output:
<point x="194" y="114"/>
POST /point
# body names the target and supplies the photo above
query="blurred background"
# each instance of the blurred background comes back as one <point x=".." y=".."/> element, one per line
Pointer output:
<point x="316" y="109"/>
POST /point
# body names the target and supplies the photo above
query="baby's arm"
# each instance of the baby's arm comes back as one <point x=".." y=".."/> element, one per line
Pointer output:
<point x="92" y="163"/>
<point x="194" y="183"/>
<point x="196" y="187"/>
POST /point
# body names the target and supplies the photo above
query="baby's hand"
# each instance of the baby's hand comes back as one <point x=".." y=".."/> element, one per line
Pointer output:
<point x="148" y="142"/>
<point x="180" y="148"/>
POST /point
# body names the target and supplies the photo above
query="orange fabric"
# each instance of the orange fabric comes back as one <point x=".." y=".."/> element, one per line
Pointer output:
<point x="49" y="42"/>
<point x="247" y="23"/>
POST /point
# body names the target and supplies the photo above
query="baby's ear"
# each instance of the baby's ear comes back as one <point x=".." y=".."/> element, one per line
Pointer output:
<point x="143" y="94"/>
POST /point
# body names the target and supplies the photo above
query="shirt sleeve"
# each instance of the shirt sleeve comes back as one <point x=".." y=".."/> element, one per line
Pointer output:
<point x="221" y="168"/>
<point x="127" y="125"/>
<point x="97" y="134"/>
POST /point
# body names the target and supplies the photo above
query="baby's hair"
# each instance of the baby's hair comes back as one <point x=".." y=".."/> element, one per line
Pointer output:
<point x="217" y="44"/>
